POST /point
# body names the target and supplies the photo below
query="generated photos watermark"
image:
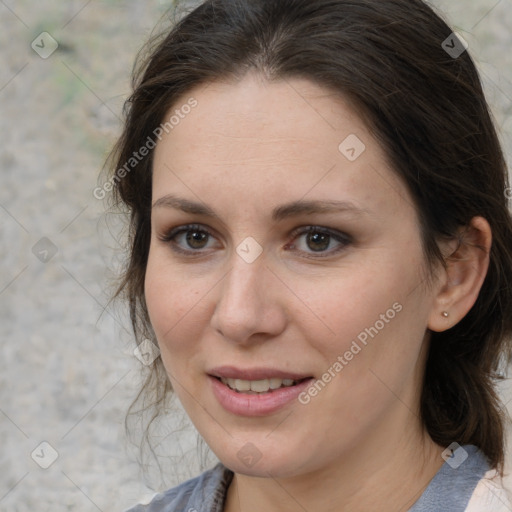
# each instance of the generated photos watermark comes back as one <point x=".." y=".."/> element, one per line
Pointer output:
<point x="454" y="455"/>
<point x="454" y="45"/>
<point x="143" y="151"/>
<point x="343" y="360"/>
<point x="146" y="352"/>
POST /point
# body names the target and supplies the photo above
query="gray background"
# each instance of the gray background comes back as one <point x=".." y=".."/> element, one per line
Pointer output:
<point x="67" y="366"/>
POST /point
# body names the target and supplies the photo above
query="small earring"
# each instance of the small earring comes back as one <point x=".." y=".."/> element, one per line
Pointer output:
<point x="445" y="314"/>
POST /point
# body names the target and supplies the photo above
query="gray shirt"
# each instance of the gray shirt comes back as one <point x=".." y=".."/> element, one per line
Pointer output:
<point x="450" y="490"/>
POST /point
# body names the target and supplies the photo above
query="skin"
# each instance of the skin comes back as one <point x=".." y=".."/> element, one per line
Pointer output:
<point x="247" y="148"/>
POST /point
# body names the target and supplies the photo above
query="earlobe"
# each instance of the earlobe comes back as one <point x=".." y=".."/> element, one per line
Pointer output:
<point x="466" y="268"/>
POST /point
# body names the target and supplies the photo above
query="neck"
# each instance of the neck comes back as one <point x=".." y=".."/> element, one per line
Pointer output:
<point x="387" y="473"/>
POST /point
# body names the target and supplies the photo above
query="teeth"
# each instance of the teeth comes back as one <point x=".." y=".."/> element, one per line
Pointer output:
<point x="257" y="386"/>
<point x="260" y="386"/>
<point x="241" y="385"/>
<point x="275" y="383"/>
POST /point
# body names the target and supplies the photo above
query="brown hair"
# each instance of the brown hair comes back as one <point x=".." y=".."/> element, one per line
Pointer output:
<point x="428" y="111"/>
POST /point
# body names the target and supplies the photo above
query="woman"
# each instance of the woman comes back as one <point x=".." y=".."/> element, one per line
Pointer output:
<point x="321" y="249"/>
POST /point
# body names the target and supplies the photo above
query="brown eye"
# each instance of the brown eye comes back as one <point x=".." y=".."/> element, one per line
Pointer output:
<point x="187" y="239"/>
<point x="318" y="240"/>
<point x="195" y="238"/>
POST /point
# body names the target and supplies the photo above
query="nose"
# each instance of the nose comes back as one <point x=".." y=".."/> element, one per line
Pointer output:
<point x="249" y="303"/>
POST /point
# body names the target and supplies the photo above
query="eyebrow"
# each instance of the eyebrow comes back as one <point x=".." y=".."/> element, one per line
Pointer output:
<point x="282" y="212"/>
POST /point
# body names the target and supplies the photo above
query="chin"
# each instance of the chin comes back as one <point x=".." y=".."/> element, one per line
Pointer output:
<point x="253" y="462"/>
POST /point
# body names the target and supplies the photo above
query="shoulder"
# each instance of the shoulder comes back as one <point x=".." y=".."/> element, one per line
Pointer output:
<point x="489" y="495"/>
<point x="465" y="483"/>
<point x="205" y="492"/>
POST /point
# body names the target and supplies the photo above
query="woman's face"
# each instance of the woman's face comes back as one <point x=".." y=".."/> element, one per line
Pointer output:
<point x="237" y="288"/>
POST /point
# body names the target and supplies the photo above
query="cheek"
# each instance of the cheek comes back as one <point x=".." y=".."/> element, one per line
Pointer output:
<point x="173" y="303"/>
<point x="374" y="318"/>
<point x="352" y="303"/>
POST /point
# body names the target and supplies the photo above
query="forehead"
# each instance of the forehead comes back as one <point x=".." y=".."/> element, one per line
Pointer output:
<point x="268" y="139"/>
<point x="254" y="108"/>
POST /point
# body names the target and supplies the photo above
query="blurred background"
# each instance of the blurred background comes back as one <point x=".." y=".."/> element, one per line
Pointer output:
<point x="68" y="371"/>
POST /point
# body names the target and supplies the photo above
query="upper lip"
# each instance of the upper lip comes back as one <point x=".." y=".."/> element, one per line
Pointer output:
<point x="257" y="373"/>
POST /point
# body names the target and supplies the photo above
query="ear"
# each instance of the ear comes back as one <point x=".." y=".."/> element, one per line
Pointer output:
<point x="459" y="284"/>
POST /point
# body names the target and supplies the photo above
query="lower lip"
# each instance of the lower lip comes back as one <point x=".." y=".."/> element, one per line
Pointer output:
<point x="244" y="404"/>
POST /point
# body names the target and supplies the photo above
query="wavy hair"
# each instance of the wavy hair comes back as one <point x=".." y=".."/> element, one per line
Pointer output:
<point x="427" y="109"/>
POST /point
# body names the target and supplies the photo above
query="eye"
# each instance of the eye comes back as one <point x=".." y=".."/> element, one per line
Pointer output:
<point x="187" y="239"/>
<point x="318" y="240"/>
<point x="194" y="238"/>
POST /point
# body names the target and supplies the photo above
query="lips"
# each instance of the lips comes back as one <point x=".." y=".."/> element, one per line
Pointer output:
<point x="257" y="386"/>
<point x="254" y="391"/>
<point x="253" y="374"/>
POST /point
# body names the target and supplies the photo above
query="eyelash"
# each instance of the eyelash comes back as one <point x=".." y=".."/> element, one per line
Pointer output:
<point x="342" y="238"/>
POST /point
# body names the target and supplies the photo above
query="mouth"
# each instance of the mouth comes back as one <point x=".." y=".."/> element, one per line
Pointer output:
<point x="257" y="391"/>
<point x="259" y="387"/>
